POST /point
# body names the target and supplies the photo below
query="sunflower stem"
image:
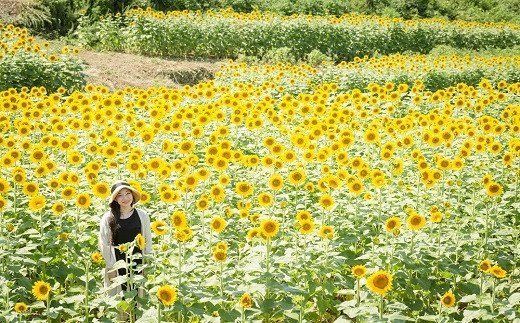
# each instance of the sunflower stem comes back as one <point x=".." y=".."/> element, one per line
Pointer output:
<point x="381" y="304"/>
<point x="221" y="280"/>
<point x="417" y="193"/>
<point x="357" y="292"/>
<point x="492" y="295"/>
<point x="179" y="266"/>
<point x="440" y="310"/>
<point x="380" y="210"/>
<point x="48" y="308"/>
<point x="87" y="265"/>
<point x="7" y="298"/>
<point x="411" y="242"/>
<point x="438" y="246"/>
<point x="267" y="264"/>
<point x="14" y="197"/>
<point x="159" y="310"/>
<point x="243" y="315"/>
<point x="40" y="224"/>
<point x="131" y="271"/>
<point x="486" y="231"/>
<point x="392" y="249"/>
<point x="481" y="291"/>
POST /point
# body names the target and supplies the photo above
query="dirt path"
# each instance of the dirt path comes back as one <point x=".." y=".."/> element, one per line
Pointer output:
<point x="118" y="70"/>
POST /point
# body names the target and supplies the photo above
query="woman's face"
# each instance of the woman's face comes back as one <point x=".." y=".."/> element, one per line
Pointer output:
<point x="124" y="198"/>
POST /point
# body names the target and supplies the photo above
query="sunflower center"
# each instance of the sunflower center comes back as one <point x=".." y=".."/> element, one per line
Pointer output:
<point x="415" y="220"/>
<point x="269" y="227"/>
<point x="381" y="281"/>
<point x="166" y="296"/>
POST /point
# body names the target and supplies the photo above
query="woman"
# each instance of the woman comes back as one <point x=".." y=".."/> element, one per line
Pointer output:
<point x="121" y="225"/>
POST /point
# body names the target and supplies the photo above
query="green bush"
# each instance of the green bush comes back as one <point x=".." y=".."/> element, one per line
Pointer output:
<point x="31" y="70"/>
<point x="216" y="36"/>
<point x="280" y="55"/>
<point x="104" y="34"/>
<point x="315" y="58"/>
<point x="435" y="80"/>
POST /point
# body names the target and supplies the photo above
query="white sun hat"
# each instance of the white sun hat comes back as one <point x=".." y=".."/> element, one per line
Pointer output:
<point x="118" y="186"/>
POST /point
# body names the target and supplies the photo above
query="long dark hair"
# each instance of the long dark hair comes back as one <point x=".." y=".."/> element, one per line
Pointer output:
<point x="113" y="220"/>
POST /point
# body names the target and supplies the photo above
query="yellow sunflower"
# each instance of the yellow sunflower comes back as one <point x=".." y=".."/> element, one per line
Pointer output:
<point x="253" y="233"/>
<point x="96" y="257"/>
<point x="20" y="307"/>
<point x="326" y="201"/>
<point x="494" y="189"/>
<point x="276" y="182"/>
<point x="448" y="299"/>
<point x="101" y="190"/>
<point x="306" y="227"/>
<point x="269" y="228"/>
<point x="183" y="234"/>
<point x="217" y="193"/>
<point x="3" y="203"/>
<point x="356" y="187"/>
<point x="415" y="221"/>
<point x="159" y="227"/>
<point x="359" y="271"/>
<point x="326" y="232"/>
<point x="83" y="200"/>
<point x="202" y="203"/>
<point x="178" y="219"/>
<point x="393" y="223"/>
<point x="30" y="188"/>
<point x="297" y="177"/>
<point x="380" y="282"/>
<point x="41" y="290"/>
<point x="485" y="265"/>
<point x="497" y="271"/>
<point x="221" y="245"/>
<point x="58" y="208"/>
<point x="436" y="217"/>
<point x="4" y="186"/>
<point x="246" y="301"/>
<point x="37" y="203"/>
<point x="167" y="295"/>
<point x="220" y="255"/>
<point x="218" y="224"/>
<point x="141" y="241"/>
<point x="303" y="215"/>
<point x="265" y="199"/>
<point x="244" y="189"/>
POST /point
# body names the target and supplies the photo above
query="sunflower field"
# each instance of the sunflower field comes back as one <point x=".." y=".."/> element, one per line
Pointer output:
<point x="358" y="191"/>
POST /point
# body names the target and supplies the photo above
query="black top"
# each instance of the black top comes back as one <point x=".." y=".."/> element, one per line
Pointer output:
<point x="127" y="230"/>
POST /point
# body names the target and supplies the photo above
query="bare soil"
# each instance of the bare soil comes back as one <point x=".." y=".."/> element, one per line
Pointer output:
<point x="9" y="9"/>
<point x="119" y="70"/>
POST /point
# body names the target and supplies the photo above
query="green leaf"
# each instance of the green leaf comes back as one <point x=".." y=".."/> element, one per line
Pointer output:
<point x="514" y="299"/>
<point x="468" y="298"/>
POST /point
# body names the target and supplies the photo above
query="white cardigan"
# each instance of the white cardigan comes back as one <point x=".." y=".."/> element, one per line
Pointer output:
<point x="108" y="250"/>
